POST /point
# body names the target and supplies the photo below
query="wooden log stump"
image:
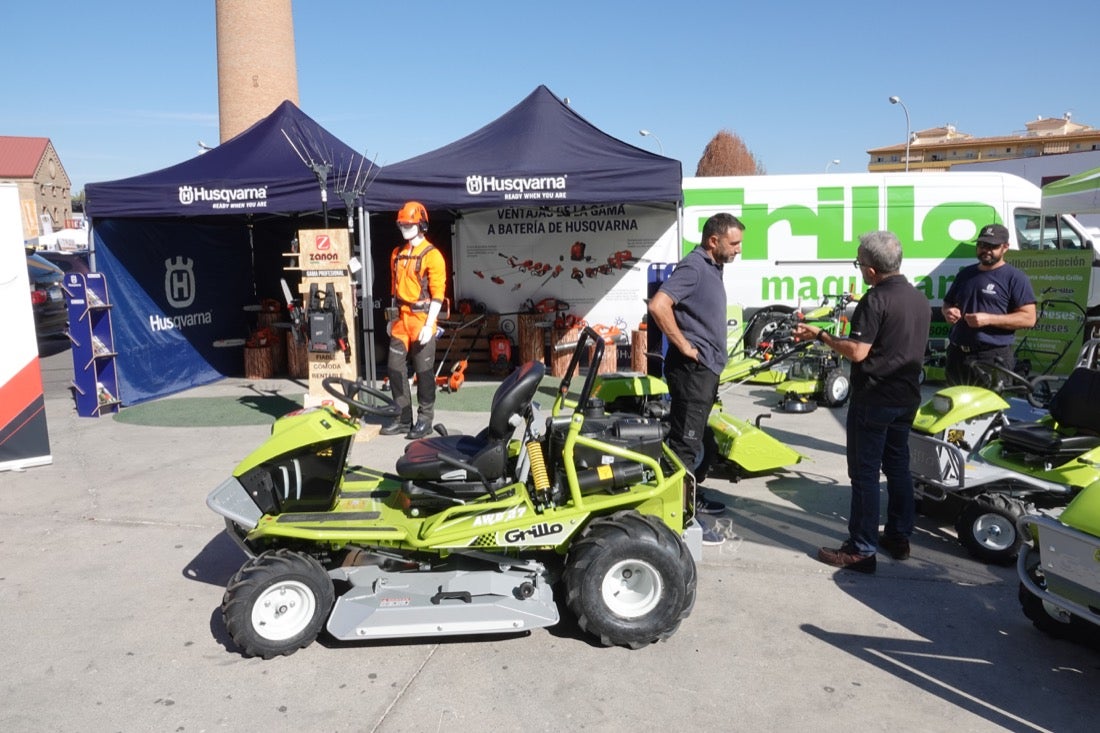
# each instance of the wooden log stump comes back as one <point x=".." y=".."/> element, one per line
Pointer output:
<point x="297" y="358"/>
<point x="564" y="341"/>
<point x="609" y="362"/>
<point x="268" y="319"/>
<point x="259" y="362"/>
<point x="532" y="337"/>
<point x="639" y="340"/>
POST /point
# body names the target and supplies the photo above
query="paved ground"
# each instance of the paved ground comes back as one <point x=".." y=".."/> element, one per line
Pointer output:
<point x="113" y="569"/>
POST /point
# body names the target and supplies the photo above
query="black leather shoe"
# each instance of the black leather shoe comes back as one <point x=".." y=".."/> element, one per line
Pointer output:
<point x="394" y="428"/>
<point x="421" y="429"/>
<point x="897" y="547"/>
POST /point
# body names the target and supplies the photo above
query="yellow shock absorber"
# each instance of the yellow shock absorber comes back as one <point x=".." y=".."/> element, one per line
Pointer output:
<point x="538" y="470"/>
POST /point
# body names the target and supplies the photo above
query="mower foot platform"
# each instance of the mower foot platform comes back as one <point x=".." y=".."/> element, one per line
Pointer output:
<point x="388" y="605"/>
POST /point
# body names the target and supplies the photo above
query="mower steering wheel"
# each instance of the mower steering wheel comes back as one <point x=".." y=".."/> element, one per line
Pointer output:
<point x="1001" y="379"/>
<point x="348" y="391"/>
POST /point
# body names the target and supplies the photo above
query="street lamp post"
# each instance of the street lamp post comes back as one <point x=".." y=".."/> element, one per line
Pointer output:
<point x="835" y="161"/>
<point x="897" y="100"/>
<point x="647" y="133"/>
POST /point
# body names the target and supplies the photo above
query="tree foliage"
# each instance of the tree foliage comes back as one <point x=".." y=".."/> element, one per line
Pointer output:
<point x="727" y="155"/>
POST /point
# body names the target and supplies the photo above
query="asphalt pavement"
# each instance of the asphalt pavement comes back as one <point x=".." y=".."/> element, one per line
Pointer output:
<point x="112" y="570"/>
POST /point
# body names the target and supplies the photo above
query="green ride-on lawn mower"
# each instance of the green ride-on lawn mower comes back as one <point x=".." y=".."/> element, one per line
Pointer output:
<point x="1059" y="568"/>
<point x="968" y="454"/>
<point x="804" y="373"/>
<point x="469" y="534"/>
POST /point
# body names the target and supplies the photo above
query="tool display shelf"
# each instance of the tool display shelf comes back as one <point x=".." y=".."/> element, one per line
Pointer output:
<point x="95" y="377"/>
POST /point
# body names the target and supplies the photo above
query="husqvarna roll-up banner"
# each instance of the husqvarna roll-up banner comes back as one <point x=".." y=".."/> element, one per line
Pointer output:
<point x="176" y="289"/>
<point x="24" y="438"/>
<point x="592" y="257"/>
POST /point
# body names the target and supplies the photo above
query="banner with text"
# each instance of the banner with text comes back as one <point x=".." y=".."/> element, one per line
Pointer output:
<point x="594" y="258"/>
<point x="1060" y="279"/>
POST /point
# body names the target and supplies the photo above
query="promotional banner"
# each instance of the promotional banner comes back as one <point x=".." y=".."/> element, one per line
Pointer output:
<point x="176" y="288"/>
<point x="1060" y="279"/>
<point x="594" y="258"/>
<point x="24" y="438"/>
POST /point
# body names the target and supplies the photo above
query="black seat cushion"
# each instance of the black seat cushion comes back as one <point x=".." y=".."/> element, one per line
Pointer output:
<point x="422" y="457"/>
<point x="1075" y="404"/>
<point x="488" y="450"/>
<point x="1076" y="427"/>
<point x="1043" y="440"/>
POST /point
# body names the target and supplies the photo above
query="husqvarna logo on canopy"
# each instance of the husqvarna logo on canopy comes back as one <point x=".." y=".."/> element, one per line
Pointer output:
<point x="179" y="282"/>
<point x="242" y="197"/>
<point x="518" y="187"/>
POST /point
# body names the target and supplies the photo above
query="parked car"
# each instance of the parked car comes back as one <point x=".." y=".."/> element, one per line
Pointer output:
<point x="51" y="315"/>
<point x="67" y="261"/>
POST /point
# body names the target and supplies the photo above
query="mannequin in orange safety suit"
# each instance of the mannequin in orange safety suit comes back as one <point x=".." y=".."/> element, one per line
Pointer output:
<point x="419" y="277"/>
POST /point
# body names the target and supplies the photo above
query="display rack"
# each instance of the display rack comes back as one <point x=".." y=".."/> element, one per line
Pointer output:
<point x="323" y="259"/>
<point x="95" y="379"/>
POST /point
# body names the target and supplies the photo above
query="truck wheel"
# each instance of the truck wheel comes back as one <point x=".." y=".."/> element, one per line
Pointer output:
<point x="836" y="388"/>
<point x="629" y="580"/>
<point x="277" y="603"/>
<point x="987" y="527"/>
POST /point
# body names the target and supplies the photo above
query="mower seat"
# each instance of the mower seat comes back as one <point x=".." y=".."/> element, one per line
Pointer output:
<point x="1076" y="427"/>
<point x="1045" y="442"/>
<point x="486" y="452"/>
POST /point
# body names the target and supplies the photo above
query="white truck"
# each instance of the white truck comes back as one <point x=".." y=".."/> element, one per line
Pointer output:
<point x="801" y="231"/>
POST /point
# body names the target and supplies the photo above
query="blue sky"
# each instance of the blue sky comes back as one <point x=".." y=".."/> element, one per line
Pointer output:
<point x="124" y="87"/>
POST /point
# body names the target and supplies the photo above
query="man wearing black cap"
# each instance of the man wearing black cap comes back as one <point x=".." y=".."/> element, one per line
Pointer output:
<point x="985" y="305"/>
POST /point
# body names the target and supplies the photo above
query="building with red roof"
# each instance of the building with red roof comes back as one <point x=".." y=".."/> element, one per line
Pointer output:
<point x="45" y="191"/>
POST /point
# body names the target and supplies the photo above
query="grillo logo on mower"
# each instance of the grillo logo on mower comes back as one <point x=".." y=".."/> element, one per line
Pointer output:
<point x="541" y="533"/>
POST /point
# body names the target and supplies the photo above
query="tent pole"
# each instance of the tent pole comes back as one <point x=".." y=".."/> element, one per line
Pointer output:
<point x="366" y="283"/>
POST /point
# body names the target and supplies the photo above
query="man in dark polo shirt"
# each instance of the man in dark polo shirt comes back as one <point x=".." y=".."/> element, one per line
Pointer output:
<point x="886" y="343"/>
<point x="690" y="309"/>
<point x="985" y="304"/>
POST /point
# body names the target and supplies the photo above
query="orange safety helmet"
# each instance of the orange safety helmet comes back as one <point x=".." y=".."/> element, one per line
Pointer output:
<point x="413" y="212"/>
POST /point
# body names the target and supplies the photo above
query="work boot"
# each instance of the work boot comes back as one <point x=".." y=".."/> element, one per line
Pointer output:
<point x="395" y="427"/>
<point x="420" y="430"/>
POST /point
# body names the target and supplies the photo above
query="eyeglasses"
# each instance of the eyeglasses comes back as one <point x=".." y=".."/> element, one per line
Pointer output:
<point x="857" y="264"/>
<point x="990" y="245"/>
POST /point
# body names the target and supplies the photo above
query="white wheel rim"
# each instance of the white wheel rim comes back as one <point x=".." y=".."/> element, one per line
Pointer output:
<point x="632" y="588"/>
<point x="994" y="532"/>
<point x="840" y="389"/>
<point x="283" y="610"/>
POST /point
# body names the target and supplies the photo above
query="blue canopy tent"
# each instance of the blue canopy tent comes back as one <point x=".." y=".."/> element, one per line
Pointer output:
<point x="539" y="152"/>
<point x="185" y="248"/>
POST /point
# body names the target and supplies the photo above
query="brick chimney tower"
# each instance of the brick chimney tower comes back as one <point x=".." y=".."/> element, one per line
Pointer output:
<point x="256" y="65"/>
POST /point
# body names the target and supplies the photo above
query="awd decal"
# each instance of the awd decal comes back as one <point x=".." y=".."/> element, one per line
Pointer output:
<point x="484" y="520"/>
